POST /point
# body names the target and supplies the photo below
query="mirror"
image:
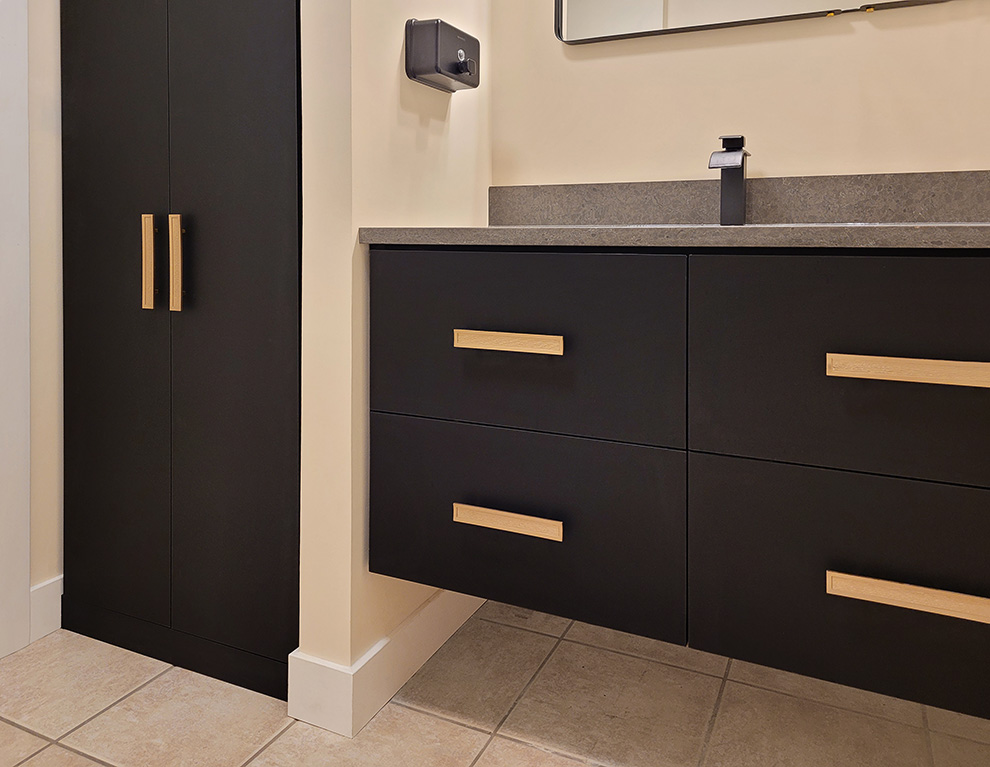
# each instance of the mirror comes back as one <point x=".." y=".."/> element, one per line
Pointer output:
<point x="587" y="21"/>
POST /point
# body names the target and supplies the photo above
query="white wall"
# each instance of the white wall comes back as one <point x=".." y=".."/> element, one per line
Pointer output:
<point x="15" y="362"/>
<point x="893" y="91"/>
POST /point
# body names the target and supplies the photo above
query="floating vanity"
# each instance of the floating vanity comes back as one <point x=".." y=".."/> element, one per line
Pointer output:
<point x="769" y="442"/>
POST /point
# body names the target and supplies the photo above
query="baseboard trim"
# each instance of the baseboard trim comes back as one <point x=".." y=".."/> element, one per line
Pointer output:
<point x="46" y="608"/>
<point x="343" y="699"/>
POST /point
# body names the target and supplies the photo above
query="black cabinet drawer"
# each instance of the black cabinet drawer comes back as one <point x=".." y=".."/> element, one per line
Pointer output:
<point x="762" y="537"/>
<point x="621" y="509"/>
<point x="621" y="318"/>
<point x="760" y="330"/>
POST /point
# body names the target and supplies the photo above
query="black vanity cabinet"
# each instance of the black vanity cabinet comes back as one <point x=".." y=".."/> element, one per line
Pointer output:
<point x="527" y="430"/>
<point x="840" y="430"/>
<point x="182" y="396"/>
<point x="833" y="513"/>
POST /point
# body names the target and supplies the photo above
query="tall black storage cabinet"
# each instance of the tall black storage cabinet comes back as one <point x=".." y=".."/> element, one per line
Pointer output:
<point x="182" y="426"/>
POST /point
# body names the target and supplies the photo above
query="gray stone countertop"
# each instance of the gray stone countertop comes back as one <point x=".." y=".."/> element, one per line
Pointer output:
<point x="892" y="235"/>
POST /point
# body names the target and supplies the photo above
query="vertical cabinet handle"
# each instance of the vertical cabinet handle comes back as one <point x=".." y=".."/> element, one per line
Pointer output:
<point x="175" y="262"/>
<point x="147" y="261"/>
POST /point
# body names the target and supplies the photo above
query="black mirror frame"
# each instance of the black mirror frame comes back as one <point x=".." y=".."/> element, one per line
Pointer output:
<point x="868" y="8"/>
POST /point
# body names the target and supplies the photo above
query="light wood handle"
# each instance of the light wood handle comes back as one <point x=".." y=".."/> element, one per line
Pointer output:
<point x="945" y="372"/>
<point x="175" y="262"/>
<point x="527" y="343"/>
<point x="147" y="261"/>
<point x="537" y="527"/>
<point x="926" y="600"/>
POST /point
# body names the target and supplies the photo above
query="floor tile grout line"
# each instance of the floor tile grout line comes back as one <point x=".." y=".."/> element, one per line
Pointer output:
<point x="481" y="753"/>
<point x="714" y="717"/>
<point x="270" y="742"/>
<point x="682" y="667"/>
<point x="643" y="657"/>
<point x="847" y="709"/>
<point x="532" y="679"/>
<point x="579" y="759"/>
<point x="28" y="730"/>
<point x="519" y="697"/>
<point x="89" y="757"/>
<point x="565" y="638"/>
<point x="442" y="718"/>
<point x="928" y="737"/>
<point x="31" y="756"/>
<point x="115" y="703"/>
<point x="522" y="628"/>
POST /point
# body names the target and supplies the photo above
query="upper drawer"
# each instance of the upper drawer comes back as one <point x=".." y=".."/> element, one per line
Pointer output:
<point x="619" y="320"/>
<point x="761" y="332"/>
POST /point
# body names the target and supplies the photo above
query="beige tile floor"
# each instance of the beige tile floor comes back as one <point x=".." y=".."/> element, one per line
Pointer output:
<point x="512" y="688"/>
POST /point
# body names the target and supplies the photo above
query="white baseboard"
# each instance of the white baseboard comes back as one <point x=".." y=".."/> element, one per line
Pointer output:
<point x="343" y="699"/>
<point x="46" y="608"/>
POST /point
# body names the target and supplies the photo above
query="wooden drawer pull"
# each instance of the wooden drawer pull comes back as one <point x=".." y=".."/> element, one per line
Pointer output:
<point x="550" y="529"/>
<point x="946" y="372"/>
<point x="926" y="600"/>
<point x="528" y="343"/>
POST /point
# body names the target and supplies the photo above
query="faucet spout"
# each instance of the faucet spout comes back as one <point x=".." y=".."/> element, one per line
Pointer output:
<point x="731" y="160"/>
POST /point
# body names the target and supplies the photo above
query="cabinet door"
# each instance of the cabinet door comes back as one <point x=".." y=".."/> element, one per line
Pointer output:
<point x="235" y="345"/>
<point x="116" y="355"/>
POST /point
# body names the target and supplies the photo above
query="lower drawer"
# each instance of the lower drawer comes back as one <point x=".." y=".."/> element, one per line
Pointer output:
<point x="618" y="509"/>
<point x="764" y="535"/>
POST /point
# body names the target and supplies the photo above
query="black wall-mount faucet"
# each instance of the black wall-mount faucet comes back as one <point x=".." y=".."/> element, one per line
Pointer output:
<point x="731" y="160"/>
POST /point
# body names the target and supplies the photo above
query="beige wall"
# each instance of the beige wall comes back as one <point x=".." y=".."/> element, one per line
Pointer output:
<point x="893" y="91"/>
<point x="378" y="150"/>
<point x="46" y="292"/>
<point x="15" y="361"/>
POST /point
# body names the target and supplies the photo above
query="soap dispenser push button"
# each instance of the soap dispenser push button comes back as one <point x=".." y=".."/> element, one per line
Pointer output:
<point x="465" y="65"/>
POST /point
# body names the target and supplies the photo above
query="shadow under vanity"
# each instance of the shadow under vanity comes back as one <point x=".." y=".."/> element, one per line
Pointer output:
<point x="768" y="442"/>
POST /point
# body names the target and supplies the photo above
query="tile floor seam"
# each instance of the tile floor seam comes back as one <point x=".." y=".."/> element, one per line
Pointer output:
<point x="64" y="735"/>
<point x="646" y="658"/>
<point x="519" y="697"/>
<point x="565" y="638"/>
<point x="928" y="737"/>
<point x="830" y="705"/>
<point x="579" y="759"/>
<point x="945" y="733"/>
<point x="271" y="742"/>
<point x="442" y="718"/>
<point x="31" y="756"/>
<point x="521" y="628"/>
<point x="710" y="730"/>
<point x="954" y="736"/>
<point x="83" y="754"/>
<point x="28" y="730"/>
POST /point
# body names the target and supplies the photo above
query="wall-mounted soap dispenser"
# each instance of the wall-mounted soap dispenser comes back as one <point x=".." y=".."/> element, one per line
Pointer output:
<point x="441" y="56"/>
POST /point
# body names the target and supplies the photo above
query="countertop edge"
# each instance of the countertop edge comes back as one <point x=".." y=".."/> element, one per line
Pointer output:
<point x="907" y="235"/>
